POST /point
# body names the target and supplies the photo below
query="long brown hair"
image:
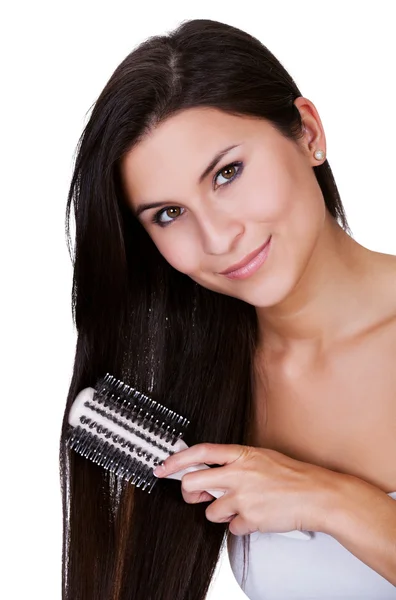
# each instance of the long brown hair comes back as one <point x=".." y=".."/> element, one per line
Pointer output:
<point x="152" y="326"/>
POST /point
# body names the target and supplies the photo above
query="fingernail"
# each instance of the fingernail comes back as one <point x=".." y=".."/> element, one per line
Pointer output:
<point x="158" y="471"/>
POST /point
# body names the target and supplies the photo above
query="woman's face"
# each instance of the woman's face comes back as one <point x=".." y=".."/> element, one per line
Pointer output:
<point x="263" y="187"/>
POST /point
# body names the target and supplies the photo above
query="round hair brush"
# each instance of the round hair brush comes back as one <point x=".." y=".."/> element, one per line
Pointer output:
<point x="126" y="432"/>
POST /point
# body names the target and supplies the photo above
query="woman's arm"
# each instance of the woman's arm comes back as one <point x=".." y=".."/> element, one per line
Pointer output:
<point x="364" y="522"/>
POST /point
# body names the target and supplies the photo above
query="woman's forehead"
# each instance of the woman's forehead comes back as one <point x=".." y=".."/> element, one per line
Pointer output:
<point x="191" y="138"/>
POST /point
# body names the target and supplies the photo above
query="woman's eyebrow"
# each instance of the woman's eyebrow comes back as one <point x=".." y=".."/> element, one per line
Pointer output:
<point x="142" y="207"/>
<point x="215" y="160"/>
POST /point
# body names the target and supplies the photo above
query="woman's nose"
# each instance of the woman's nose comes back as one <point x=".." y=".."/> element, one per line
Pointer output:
<point x="219" y="235"/>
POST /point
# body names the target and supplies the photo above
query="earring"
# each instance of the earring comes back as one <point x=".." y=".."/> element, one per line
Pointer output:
<point x="319" y="154"/>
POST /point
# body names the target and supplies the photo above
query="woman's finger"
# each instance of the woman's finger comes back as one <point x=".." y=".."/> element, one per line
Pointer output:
<point x="210" y="454"/>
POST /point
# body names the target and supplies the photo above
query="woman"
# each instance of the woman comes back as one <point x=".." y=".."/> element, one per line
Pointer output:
<point x="201" y="153"/>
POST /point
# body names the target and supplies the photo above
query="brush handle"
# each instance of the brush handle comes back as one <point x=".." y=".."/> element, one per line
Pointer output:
<point x="300" y="535"/>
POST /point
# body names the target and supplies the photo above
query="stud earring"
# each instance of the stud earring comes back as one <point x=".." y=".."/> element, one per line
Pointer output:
<point x="319" y="154"/>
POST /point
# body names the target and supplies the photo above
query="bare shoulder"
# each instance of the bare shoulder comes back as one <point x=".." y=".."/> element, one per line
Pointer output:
<point x="375" y="347"/>
<point x="350" y="402"/>
<point x="382" y="286"/>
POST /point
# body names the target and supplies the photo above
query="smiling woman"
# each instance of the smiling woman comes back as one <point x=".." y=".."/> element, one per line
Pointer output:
<point x="237" y="304"/>
<point x="220" y="222"/>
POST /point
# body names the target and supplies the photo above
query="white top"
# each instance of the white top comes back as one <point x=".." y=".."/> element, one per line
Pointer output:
<point x="284" y="568"/>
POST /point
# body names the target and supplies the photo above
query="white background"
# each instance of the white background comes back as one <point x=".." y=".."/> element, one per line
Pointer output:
<point x="55" y="59"/>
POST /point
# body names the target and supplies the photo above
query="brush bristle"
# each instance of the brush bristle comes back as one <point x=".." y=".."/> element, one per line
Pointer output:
<point x="124" y="431"/>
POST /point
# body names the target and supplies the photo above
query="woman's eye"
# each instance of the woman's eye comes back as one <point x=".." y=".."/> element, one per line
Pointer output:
<point x="157" y="217"/>
<point x="228" y="170"/>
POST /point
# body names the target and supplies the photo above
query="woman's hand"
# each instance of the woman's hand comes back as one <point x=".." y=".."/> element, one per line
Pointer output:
<point x="265" y="490"/>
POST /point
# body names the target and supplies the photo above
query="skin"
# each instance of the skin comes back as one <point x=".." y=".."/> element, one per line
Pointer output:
<point x="314" y="267"/>
<point x="326" y="305"/>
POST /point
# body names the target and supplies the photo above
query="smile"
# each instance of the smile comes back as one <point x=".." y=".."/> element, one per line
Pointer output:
<point x="250" y="264"/>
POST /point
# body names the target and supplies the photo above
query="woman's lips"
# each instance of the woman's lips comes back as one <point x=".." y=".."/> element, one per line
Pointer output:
<point x="252" y="266"/>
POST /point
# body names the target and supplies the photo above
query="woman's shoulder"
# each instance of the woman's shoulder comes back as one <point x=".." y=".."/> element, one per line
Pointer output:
<point x="381" y="288"/>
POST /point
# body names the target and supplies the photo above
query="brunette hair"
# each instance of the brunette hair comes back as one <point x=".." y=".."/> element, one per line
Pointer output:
<point x="153" y="327"/>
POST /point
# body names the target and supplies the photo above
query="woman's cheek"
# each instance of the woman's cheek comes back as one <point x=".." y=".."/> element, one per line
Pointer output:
<point x="180" y="256"/>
